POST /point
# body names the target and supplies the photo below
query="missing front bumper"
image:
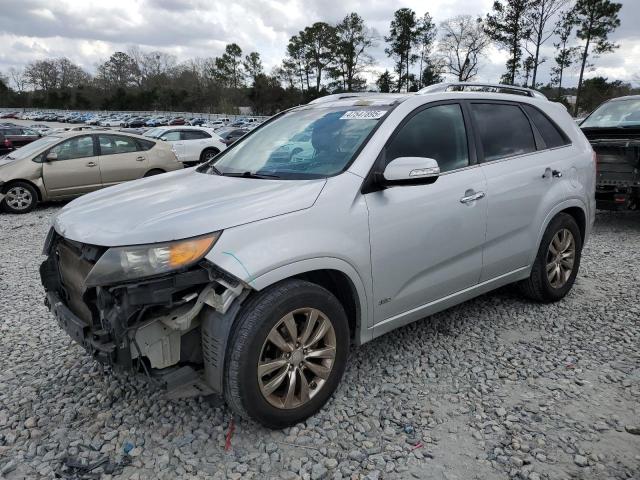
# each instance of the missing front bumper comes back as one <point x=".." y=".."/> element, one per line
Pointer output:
<point x="152" y="326"/>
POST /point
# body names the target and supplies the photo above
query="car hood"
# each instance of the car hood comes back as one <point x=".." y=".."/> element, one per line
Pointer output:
<point x="179" y="205"/>
<point x="597" y="133"/>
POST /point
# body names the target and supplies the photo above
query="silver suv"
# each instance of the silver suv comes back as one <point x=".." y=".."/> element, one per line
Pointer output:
<point x="252" y="276"/>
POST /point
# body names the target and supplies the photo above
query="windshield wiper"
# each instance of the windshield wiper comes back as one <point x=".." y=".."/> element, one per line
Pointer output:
<point x="249" y="175"/>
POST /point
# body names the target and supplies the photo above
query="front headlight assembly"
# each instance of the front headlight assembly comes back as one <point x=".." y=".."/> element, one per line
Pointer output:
<point x="120" y="264"/>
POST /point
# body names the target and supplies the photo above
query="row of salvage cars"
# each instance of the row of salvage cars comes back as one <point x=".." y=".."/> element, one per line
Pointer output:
<point x="64" y="165"/>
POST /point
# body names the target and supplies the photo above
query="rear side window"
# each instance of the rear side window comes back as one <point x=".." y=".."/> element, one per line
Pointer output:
<point x="435" y="132"/>
<point x="194" y="135"/>
<point x="504" y="130"/>
<point x="112" y="144"/>
<point x="171" y="136"/>
<point x="551" y="134"/>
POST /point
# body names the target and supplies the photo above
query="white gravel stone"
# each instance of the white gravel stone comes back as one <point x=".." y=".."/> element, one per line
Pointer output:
<point x="490" y="389"/>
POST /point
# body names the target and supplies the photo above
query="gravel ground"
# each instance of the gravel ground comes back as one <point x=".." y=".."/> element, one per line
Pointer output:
<point x="495" y="388"/>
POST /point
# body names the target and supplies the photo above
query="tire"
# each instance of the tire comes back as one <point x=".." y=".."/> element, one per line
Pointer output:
<point x="245" y="392"/>
<point x="539" y="286"/>
<point x="20" y="197"/>
<point x="155" y="171"/>
<point x="208" y="153"/>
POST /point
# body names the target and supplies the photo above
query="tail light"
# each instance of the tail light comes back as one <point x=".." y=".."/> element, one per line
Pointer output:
<point x="7" y="143"/>
<point x="595" y="161"/>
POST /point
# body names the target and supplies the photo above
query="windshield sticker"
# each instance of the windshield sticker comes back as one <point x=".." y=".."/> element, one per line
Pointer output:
<point x="363" y="115"/>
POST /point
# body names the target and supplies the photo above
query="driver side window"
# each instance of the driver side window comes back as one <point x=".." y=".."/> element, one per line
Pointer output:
<point x="435" y="132"/>
<point x="76" y="147"/>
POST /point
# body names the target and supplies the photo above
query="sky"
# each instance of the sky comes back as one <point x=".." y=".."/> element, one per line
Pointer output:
<point x="89" y="31"/>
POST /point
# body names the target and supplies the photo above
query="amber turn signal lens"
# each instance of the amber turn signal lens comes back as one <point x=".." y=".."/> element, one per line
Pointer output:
<point x="189" y="251"/>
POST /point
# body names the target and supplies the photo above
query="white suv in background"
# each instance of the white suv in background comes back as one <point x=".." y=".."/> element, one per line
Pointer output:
<point x="192" y="145"/>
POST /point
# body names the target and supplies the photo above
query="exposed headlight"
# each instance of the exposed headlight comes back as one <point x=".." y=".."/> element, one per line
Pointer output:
<point x="120" y="264"/>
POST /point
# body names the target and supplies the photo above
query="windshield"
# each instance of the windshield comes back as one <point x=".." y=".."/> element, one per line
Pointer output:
<point x="33" y="147"/>
<point x="305" y="143"/>
<point x="154" y="132"/>
<point x="619" y="113"/>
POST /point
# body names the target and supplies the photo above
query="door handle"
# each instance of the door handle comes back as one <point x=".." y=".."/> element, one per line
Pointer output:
<point x="139" y="159"/>
<point x="472" y="198"/>
<point x="91" y="164"/>
<point x="548" y="173"/>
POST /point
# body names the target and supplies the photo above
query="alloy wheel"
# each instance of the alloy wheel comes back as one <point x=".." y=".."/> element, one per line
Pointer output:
<point x="560" y="258"/>
<point x="296" y="358"/>
<point x="209" y="155"/>
<point x="19" y="198"/>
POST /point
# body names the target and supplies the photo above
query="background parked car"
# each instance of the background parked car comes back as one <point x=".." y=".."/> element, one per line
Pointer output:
<point x="192" y="145"/>
<point x="157" y="122"/>
<point x="19" y="136"/>
<point x="111" y="122"/>
<point x="231" y="135"/>
<point x="42" y="129"/>
<point x="196" y="121"/>
<point x="135" y="122"/>
<point x="177" y="121"/>
<point x="614" y="132"/>
<point x="69" y="164"/>
<point x="6" y="145"/>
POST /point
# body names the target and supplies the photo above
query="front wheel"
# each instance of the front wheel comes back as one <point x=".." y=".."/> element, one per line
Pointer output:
<point x="557" y="262"/>
<point x="20" y="198"/>
<point x="208" y="154"/>
<point x="287" y="353"/>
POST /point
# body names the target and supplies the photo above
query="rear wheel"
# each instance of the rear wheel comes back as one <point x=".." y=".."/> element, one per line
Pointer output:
<point x="155" y="171"/>
<point x="208" y="154"/>
<point x="20" y="197"/>
<point x="287" y="354"/>
<point x="556" y="265"/>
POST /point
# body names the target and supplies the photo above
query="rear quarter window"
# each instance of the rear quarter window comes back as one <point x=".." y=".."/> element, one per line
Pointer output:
<point x="504" y="130"/>
<point x="552" y="135"/>
<point x="145" y="144"/>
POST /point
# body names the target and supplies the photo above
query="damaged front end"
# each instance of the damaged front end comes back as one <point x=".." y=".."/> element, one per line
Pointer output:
<point x="618" y="167"/>
<point x="172" y="326"/>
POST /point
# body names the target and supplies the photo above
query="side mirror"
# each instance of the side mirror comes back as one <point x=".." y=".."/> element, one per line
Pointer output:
<point x="411" y="171"/>
<point x="51" y="157"/>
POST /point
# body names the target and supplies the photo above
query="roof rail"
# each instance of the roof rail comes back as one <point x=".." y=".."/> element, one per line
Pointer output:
<point x="481" y="87"/>
<point x="342" y="96"/>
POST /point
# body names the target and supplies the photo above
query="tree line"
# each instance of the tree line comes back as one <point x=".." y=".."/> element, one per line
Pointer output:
<point x="326" y="58"/>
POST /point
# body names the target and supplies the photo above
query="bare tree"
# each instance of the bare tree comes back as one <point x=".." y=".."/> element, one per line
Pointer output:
<point x="462" y="44"/>
<point x="153" y="66"/>
<point x="541" y="12"/>
<point x="19" y="79"/>
<point x="69" y="74"/>
<point x="42" y="74"/>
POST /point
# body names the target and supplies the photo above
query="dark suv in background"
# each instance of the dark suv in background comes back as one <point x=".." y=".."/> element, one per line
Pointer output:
<point x="6" y="145"/>
<point x="15" y="137"/>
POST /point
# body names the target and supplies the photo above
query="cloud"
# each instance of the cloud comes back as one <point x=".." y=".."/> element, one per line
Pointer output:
<point x="88" y="31"/>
